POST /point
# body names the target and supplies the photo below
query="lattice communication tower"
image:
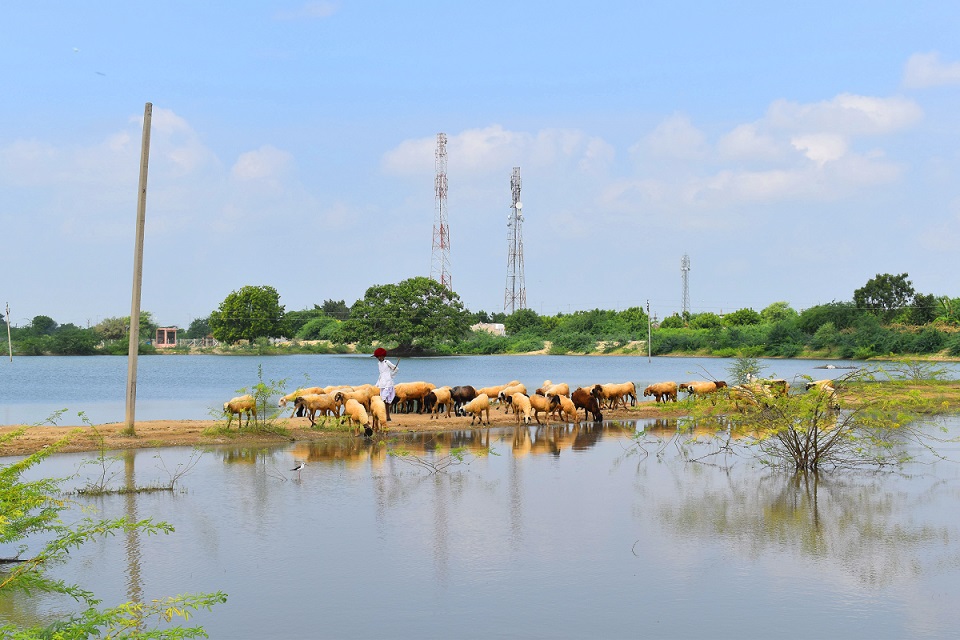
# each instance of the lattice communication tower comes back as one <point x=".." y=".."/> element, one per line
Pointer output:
<point x="685" y="276"/>
<point x="515" y="295"/>
<point x="440" y="257"/>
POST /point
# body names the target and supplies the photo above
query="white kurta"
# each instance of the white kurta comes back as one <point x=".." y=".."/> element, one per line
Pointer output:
<point x="388" y="371"/>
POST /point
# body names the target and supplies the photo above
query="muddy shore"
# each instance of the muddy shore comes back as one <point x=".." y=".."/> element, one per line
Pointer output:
<point x="174" y="433"/>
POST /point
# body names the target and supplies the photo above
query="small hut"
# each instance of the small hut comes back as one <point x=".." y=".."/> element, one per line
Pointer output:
<point x="166" y="337"/>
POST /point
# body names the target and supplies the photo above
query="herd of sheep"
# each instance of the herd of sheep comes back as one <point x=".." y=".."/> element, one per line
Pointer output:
<point x="364" y="409"/>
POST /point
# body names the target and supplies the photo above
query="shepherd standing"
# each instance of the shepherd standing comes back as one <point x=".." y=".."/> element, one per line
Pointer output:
<point x="388" y="371"/>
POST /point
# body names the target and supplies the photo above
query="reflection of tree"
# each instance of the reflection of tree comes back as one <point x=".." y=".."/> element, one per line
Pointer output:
<point x="854" y="522"/>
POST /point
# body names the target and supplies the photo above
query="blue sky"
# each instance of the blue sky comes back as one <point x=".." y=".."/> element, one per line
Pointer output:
<point x="793" y="152"/>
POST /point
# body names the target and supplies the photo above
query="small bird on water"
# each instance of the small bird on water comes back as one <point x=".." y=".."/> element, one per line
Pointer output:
<point x="298" y="468"/>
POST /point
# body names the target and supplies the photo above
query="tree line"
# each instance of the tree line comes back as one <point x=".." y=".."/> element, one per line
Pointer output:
<point x="885" y="317"/>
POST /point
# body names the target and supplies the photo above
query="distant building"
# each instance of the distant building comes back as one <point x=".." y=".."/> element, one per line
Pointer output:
<point x="166" y="337"/>
<point x="495" y="328"/>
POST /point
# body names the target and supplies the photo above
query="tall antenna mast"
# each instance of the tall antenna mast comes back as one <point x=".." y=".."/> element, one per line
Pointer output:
<point x="515" y="295"/>
<point x="685" y="276"/>
<point x="440" y="258"/>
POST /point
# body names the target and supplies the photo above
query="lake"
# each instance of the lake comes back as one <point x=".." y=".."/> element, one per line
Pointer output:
<point x="563" y="532"/>
<point x="187" y="387"/>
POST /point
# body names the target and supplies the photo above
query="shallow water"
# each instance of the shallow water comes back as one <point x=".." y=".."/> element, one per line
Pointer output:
<point x="195" y="387"/>
<point x="562" y="533"/>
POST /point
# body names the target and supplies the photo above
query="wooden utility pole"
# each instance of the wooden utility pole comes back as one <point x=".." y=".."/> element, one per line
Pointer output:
<point x="137" y="275"/>
<point x="9" y="344"/>
<point x="648" y="332"/>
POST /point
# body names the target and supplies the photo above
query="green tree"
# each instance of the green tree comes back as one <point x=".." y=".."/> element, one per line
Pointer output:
<point x="293" y="321"/>
<point x="923" y="310"/>
<point x="705" y="320"/>
<point x="842" y="315"/>
<point x="525" y="321"/>
<point x="118" y="328"/>
<point x="672" y="322"/>
<point x="777" y="312"/>
<point x="74" y="341"/>
<point x="418" y="313"/>
<point x="29" y="510"/>
<point x="199" y="328"/>
<point x="250" y="313"/>
<point x="885" y="295"/>
<point x="336" y="309"/>
<point x="741" y="317"/>
<point x="43" y="326"/>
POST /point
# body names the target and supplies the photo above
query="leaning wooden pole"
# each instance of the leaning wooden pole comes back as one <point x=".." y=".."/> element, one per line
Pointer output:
<point x="9" y="344"/>
<point x="137" y="274"/>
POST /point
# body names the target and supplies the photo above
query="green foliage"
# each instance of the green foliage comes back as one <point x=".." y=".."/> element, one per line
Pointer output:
<point x="705" y="320"/>
<point x="806" y="432"/>
<point x="778" y="312"/>
<point x="337" y="309"/>
<point x="250" y="313"/>
<point x="742" y="317"/>
<point x="416" y="313"/>
<point x="673" y="322"/>
<point x="743" y="369"/>
<point x="43" y="326"/>
<point x="842" y="315"/>
<point x="30" y="509"/>
<point x="199" y="328"/>
<point x="885" y="295"/>
<point x="320" y="328"/>
<point x="525" y="321"/>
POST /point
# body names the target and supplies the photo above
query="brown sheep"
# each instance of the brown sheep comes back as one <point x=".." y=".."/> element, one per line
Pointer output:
<point x="559" y="389"/>
<point x="409" y="392"/>
<point x="477" y="406"/>
<point x="506" y="396"/>
<point x="698" y="387"/>
<point x="586" y="400"/>
<point x="545" y="404"/>
<point x="311" y="403"/>
<point x="356" y="414"/>
<point x="460" y="395"/>
<point x="378" y="413"/>
<point x="297" y="393"/>
<point x="568" y="410"/>
<point x="521" y="405"/>
<point x="617" y="393"/>
<point x="662" y="391"/>
<point x="437" y="398"/>
<point x="240" y="405"/>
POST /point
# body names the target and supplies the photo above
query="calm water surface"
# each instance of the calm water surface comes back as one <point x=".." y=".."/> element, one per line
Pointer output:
<point x="563" y="533"/>
<point x="192" y="387"/>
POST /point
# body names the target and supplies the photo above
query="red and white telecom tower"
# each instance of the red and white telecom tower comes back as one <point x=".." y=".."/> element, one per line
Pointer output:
<point x="515" y="295"/>
<point x="440" y="259"/>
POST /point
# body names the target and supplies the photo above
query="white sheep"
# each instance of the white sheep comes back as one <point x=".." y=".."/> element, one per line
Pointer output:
<point x="436" y="398"/>
<point x="302" y="391"/>
<point x="506" y="395"/>
<point x="240" y="405"/>
<point x="477" y="406"/>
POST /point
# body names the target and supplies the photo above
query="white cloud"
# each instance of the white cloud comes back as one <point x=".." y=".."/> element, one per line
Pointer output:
<point x="674" y="138"/>
<point x="492" y="148"/>
<point x="746" y="142"/>
<point x="846" y="114"/>
<point x="821" y="147"/>
<point x="266" y="163"/>
<point x="926" y="70"/>
<point x="314" y="10"/>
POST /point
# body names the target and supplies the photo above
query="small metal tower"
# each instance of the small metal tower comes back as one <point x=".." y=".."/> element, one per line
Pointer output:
<point x="685" y="276"/>
<point x="515" y="295"/>
<point x="440" y="258"/>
